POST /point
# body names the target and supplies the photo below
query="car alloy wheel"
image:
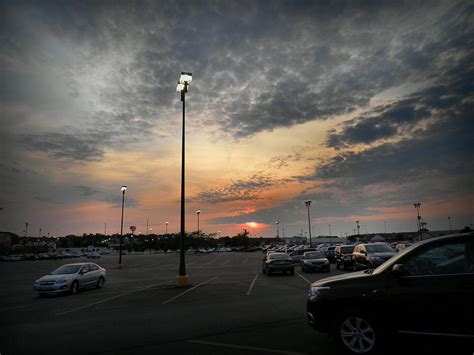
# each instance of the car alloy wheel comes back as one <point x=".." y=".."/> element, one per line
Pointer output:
<point x="100" y="282"/>
<point x="357" y="335"/>
<point x="74" y="287"/>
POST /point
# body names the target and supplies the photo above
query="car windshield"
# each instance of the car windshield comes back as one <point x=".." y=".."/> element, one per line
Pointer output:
<point x="378" y="248"/>
<point x="348" y="249"/>
<point x="66" y="269"/>
<point x="314" y="255"/>
<point x="278" y="256"/>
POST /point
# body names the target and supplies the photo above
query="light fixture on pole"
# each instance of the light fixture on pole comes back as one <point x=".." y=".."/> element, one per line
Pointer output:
<point x="26" y="229"/>
<point x="124" y="188"/>
<point x="184" y="80"/>
<point x="358" y="228"/>
<point x="166" y="227"/>
<point x="278" y="228"/>
<point x="308" y="204"/>
<point x="198" y="212"/>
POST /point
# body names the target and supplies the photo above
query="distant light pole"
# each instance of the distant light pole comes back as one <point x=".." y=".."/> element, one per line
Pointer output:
<point x="358" y="228"/>
<point x="166" y="227"/>
<point x="418" y="219"/>
<point x="124" y="188"/>
<point x="26" y="229"/>
<point x="278" y="228"/>
<point x="450" y="229"/>
<point x="330" y="230"/>
<point x="198" y="212"/>
<point x="149" y="237"/>
<point x="308" y="204"/>
<point x="182" y="278"/>
<point x="385" y="226"/>
<point x="39" y="234"/>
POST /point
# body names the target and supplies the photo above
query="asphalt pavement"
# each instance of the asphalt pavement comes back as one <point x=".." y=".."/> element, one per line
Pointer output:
<point x="230" y="307"/>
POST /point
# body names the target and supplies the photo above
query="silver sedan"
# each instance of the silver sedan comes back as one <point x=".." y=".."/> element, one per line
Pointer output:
<point x="70" y="278"/>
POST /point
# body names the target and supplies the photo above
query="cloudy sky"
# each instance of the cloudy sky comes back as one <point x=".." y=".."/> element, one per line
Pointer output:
<point x="363" y="107"/>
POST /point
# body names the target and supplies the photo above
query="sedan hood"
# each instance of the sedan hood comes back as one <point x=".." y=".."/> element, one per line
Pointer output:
<point x="55" y="277"/>
<point x="352" y="275"/>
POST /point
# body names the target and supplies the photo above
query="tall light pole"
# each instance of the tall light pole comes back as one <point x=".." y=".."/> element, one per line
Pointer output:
<point x="124" y="188"/>
<point x="449" y="221"/>
<point x="308" y="204"/>
<point x="358" y="228"/>
<point x="184" y="80"/>
<point x="166" y="227"/>
<point x="278" y="228"/>
<point x="418" y="219"/>
<point x="26" y="229"/>
<point x="385" y="226"/>
<point x="39" y="234"/>
<point x="198" y="212"/>
<point x="330" y="230"/>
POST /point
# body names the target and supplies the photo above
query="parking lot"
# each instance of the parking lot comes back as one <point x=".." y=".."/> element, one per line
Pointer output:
<point x="229" y="308"/>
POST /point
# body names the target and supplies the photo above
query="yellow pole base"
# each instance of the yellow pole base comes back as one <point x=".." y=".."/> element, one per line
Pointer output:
<point x="182" y="281"/>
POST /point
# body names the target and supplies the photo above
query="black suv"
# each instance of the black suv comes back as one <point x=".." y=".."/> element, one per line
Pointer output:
<point x="371" y="255"/>
<point x="432" y="281"/>
<point x="343" y="255"/>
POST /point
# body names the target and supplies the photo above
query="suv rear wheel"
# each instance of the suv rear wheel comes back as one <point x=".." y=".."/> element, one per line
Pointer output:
<point x="357" y="334"/>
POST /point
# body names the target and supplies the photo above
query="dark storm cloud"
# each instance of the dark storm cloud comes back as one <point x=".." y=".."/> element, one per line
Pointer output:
<point x="77" y="146"/>
<point x="257" y="66"/>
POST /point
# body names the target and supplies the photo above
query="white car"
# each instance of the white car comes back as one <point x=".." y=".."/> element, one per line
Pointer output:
<point x="70" y="278"/>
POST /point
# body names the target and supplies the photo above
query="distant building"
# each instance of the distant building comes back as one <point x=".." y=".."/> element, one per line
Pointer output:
<point x="295" y="240"/>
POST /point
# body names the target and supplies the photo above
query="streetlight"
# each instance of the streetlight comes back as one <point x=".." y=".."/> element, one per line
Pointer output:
<point x="358" y="228"/>
<point x="124" y="188"/>
<point x="26" y="229"/>
<point x="330" y="230"/>
<point x="450" y="229"/>
<point x="418" y="219"/>
<point x="166" y="227"/>
<point x="184" y="80"/>
<point x="385" y="226"/>
<point x="149" y="238"/>
<point x="278" y="228"/>
<point x="39" y="234"/>
<point x="198" y="212"/>
<point x="308" y="204"/>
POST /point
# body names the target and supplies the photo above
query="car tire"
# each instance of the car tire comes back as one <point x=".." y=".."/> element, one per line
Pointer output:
<point x="74" y="288"/>
<point x="100" y="282"/>
<point x="292" y="272"/>
<point x="358" y="333"/>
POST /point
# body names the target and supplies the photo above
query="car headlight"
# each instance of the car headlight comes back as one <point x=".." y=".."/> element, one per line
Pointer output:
<point x="315" y="291"/>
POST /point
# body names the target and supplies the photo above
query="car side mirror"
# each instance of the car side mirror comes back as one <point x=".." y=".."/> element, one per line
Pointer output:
<point x="398" y="269"/>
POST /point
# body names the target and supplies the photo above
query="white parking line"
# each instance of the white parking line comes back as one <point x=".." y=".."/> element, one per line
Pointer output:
<point x="304" y="278"/>
<point x="210" y="262"/>
<point x="244" y="347"/>
<point x="252" y="284"/>
<point x="189" y="290"/>
<point x="228" y="261"/>
<point x="111" y="298"/>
